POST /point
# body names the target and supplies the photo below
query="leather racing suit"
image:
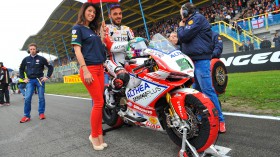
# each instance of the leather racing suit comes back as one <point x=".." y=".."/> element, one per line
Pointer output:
<point x="116" y="41"/>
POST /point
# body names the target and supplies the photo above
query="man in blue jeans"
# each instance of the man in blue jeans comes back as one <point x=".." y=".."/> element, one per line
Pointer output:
<point x="34" y="65"/>
<point x="195" y="34"/>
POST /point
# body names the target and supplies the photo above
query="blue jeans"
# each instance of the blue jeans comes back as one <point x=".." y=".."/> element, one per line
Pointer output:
<point x="203" y="83"/>
<point x="29" y="93"/>
<point x="22" y="87"/>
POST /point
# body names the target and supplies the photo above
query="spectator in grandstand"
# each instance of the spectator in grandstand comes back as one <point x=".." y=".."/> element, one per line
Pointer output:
<point x="195" y="34"/>
<point x="276" y="40"/>
<point x="243" y="47"/>
<point x="173" y="38"/>
<point x="265" y="43"/>
<point x="34" y="66"/>
<point x="218" y="45"/>
<point x="4" y="85"/>
<point x="237" y="27"/>
<point x="250" y="45"/>
<point x="90" y="54"/>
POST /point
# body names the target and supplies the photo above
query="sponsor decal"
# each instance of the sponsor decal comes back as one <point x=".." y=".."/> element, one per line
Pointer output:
<point x="152" y="126"/>
<point x="141" y="88"/>
<point x="153" y="120"/>
<point x="180" y="109"/>
<point x="37" y="60"/>
<point x="120" y="38"/>
<point x="190" y="22"/>
<point x="174" y="54"/>
<point x="142" y="110"/>
<point x="119" y="46"/>
<point x="260" y="58"/>
<point x="74" y="36"/>
<point x="144" y="93"/>
<point x="72" y="79"/>
<point x="74" y="31"/>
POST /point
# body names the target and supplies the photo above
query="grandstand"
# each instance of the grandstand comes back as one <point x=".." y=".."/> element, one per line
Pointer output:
<point x="228" y="17"/>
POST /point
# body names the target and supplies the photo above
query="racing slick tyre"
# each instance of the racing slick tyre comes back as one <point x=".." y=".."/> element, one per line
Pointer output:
<point x="202" y="119"/>
<point x="110" y="116"/>
<point x="219" y="76"/>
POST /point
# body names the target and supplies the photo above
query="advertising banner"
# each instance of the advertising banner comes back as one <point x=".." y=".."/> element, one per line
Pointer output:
<point x="250" y="61"/>
<point x="72" y="79"/>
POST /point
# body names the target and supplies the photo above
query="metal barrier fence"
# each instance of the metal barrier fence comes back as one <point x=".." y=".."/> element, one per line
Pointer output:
<point x="234" y="35"/>
<point x="59" y="72"/>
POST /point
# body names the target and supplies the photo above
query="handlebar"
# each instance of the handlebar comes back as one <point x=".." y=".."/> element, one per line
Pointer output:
<point x="139" y="67"/>
<point x="129" y="58"/>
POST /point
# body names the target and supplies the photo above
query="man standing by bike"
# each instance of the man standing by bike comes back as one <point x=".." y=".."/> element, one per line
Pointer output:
<point x="117" y="37"/>
<point x="195" y="34"/>
<point x="34" y="66"/>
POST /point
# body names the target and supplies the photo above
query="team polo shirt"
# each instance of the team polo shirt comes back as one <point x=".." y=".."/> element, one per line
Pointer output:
<point x="92" y="48"/>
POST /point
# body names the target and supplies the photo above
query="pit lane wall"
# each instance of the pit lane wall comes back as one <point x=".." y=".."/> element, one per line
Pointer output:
<point x="251" y="61"/>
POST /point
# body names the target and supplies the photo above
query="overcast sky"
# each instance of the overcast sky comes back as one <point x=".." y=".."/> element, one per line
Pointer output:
<point x="19" y="20"/>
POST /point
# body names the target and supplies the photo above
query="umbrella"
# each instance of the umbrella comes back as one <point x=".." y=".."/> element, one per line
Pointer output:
<point x="100" y="1"/>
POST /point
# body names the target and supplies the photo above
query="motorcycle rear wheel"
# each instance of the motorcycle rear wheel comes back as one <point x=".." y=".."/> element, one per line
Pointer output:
<point x="110" y="116"/>
<point x="219" y="76"/>
<point x="204" y="132"/>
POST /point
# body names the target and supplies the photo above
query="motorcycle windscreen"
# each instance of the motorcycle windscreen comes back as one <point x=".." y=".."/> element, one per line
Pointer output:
<point x="162" y="44"/>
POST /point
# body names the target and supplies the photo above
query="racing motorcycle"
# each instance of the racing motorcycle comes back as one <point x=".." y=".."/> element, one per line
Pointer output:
<point x="158" y="97"/>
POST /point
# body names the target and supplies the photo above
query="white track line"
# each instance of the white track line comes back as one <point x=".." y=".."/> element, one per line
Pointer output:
<point x="69" y="96"/>
<point x="225" y="113"/>
<point x="251" y="116"/>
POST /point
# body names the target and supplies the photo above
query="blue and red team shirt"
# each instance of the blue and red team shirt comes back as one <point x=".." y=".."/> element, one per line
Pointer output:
<point x="91" y="46"/>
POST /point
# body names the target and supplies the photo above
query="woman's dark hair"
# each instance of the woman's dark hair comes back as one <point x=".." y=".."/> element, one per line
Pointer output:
<point x="81" y="16"/>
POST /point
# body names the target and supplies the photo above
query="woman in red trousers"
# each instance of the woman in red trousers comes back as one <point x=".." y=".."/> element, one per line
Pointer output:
<point x="90" y="54"/>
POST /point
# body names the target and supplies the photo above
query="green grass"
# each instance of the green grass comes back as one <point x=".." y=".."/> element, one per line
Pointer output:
<point x="255" y="92"/>
<point x="75" y="89"/>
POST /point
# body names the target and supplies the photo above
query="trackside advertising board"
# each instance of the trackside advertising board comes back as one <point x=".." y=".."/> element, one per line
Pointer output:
<point x="250" y="61"/>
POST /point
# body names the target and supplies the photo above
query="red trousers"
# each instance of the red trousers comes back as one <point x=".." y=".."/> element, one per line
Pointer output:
<point x="95" y="89"/>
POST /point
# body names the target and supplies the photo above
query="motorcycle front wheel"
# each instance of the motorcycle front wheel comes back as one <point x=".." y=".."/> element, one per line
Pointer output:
<point x="203" y="126"/>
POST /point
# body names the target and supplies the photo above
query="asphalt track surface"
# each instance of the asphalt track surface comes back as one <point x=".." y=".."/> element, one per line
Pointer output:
<point x="65" y="131"/>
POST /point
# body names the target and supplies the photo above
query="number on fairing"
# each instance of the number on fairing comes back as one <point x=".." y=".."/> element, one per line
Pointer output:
<point x="183" y="64"/>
